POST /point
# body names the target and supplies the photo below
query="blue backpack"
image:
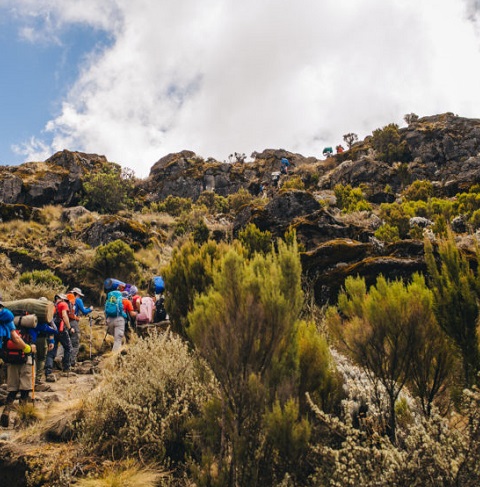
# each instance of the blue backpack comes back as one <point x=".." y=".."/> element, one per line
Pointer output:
<point x="114" y="305"/>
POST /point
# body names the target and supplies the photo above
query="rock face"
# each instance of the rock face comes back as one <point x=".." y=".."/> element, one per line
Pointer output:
<point x="54" y="181"/>
<point x="445" y="149"/>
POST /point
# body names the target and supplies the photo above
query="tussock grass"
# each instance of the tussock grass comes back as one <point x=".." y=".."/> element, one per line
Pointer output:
<point x="125" y="474"/>
<point x="60" y="420"/>
<point x="28" y="414"/>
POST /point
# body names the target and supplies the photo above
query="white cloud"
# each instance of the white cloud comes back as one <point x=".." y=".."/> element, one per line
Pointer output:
<point x="219" y="76"/>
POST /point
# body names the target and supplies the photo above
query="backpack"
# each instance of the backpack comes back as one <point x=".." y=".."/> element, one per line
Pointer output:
<point x="145" y="315"/>
<point x="9" y="352"/>
<point x="114" y="305"/>
<point x="160" y="311"/>
<point x="71" y="307"/>
<point x="158" y="284"/>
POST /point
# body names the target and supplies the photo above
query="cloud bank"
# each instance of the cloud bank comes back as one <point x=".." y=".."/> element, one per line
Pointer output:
<point x="218" y="76"/>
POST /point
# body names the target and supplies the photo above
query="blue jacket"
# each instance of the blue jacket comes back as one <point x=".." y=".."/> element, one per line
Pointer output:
<point x="79" y="306"/>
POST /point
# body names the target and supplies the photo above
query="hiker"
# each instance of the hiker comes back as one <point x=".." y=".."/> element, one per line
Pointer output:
<point x="44" y="343"/>
<point x="115" y="318"/>
<point x="78" y="308"/>
<point x="339" y="149"/>
<point x="327" y="151"/>
<point x="285" y="163"/>
<point x="275" y="178"/>
<point x="19" y="357"/>
<point x="130" y="315"/>
<point x="62" y="323"/>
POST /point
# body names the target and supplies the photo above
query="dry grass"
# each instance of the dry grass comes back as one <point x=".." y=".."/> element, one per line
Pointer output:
<point x="60" y="419"/>
<point x="126" y="474"/>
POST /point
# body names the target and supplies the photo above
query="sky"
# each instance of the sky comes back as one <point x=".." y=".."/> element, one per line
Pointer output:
<point x="135" y="80"/>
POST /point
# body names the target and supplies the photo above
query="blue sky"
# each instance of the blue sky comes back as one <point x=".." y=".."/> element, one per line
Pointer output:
<point x="35" y="78"/>
<point x="135" y="81"/>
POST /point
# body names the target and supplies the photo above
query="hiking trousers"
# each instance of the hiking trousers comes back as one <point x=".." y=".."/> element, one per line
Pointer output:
<point x="62" y="337"/>
<point x="116" y="328"/>
<point x="75" y="339"/>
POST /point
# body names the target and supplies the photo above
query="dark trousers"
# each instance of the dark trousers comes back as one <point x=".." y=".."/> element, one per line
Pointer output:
<point x="62" y="337"/>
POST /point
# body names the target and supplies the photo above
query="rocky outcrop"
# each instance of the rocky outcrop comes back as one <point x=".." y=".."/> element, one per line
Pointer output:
<point x="109" y="228"/>
<point x="445" y="149"/>
<point x="57" y="180"/>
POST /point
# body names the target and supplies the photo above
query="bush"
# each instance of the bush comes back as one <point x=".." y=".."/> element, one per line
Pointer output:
<point x="387" y="233"/>
<point x="295" y="182"/>
<point x="238" y="200"/>
<point x="214" y="202"/>
<point x="173" y="205"/>
<point x="254" y="240"/>
<point x="389" y="146"/>
<point x="143" y="406"/>
<point x="109" y="190"/>
<point x="419" y="190"/>
<point x="115" y="259"/>
<point x="40" y="277"/>
<point x="350" y="199"/>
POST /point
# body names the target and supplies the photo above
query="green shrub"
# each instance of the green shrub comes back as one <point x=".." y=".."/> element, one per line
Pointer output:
<point x="294" y="182"/>
<point x="387" y="233"/>
<point x="108" y="190"/>
<point x="173" y="205"/>
<point x="115" y="259"/>
<point x="350" y="199"/>
<point x="389" y="146"/>
<point x="40" y="277"/>
<point x="200" y="232"/>
<point x="238" y="200"/>
<point x="419" y="190"/>
<point x="214" y="202"/>
<point x="254" y="240"/>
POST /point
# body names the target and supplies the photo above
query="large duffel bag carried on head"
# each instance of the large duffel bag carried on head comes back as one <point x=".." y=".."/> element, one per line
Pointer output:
<point x="43" y="308"/>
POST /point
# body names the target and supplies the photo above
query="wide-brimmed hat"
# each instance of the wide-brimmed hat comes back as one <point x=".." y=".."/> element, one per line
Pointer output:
<point x="77" y="290"/>
<point x="61" y="296"/>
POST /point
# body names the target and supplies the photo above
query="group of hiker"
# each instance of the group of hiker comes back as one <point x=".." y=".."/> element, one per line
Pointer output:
<point x="32" y="330"/>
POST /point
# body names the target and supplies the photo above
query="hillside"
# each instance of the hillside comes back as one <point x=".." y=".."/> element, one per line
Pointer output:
<point x="387" y="208"/>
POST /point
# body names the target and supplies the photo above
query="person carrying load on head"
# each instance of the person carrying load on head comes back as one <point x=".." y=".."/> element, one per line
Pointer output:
<point x="327" y="151"/>
<point x="19" y="357"/>
<point x="64" y="330"/>
<point x="78" y="308"/>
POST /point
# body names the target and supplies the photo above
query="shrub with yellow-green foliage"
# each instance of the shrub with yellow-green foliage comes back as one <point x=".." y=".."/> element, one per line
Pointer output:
<point x="189" y="272"/>
<point x="115" y="259"/>
<point x="213" y="202"/>
<point x="419" y="190"/>
<point x="40" y="277"/>
<point x="254" y="240"/>
<point x="173" y="205"/>
<point x="350" y="199"/>
<point x="294" y="182"/>
<point x="387" y="233"/>
<point x="144" y="404"/>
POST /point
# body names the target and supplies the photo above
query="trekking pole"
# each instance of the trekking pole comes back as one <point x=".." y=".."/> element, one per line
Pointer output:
<point x="90" y="321"/>
<point x="33" y="378"/>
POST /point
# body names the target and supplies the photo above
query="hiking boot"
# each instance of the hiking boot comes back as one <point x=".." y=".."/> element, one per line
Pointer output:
<point x="5" y="418"/>
<point x="51" y="378"/>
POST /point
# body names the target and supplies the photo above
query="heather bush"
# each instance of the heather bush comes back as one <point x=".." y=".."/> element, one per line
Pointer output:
<point x="387" y="233"/>
<point x="115" y="259"/>
<point x="419" y="190"/>
<point x="254" y="240"/>
<point x="173" y="205"/>
<point x="350" y="199"/>
<point x="40" y="277"/>
<point x="144" y="403"/>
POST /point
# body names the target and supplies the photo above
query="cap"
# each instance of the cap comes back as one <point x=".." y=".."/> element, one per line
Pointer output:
<point x="61" y="296"/>
<point x="77" y="290"/>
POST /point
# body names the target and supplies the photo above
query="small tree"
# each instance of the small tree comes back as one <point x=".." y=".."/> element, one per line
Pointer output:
<point x="350" y="139"/>
<point x="240" y="326"/>
<point x="410" y="118"/>
<point x="381" y="331"/>
<point x="456" y="288"/>
<point x="109" y="189"/>
<point x="389" y="146"/>
<point x="115" y="259"/>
